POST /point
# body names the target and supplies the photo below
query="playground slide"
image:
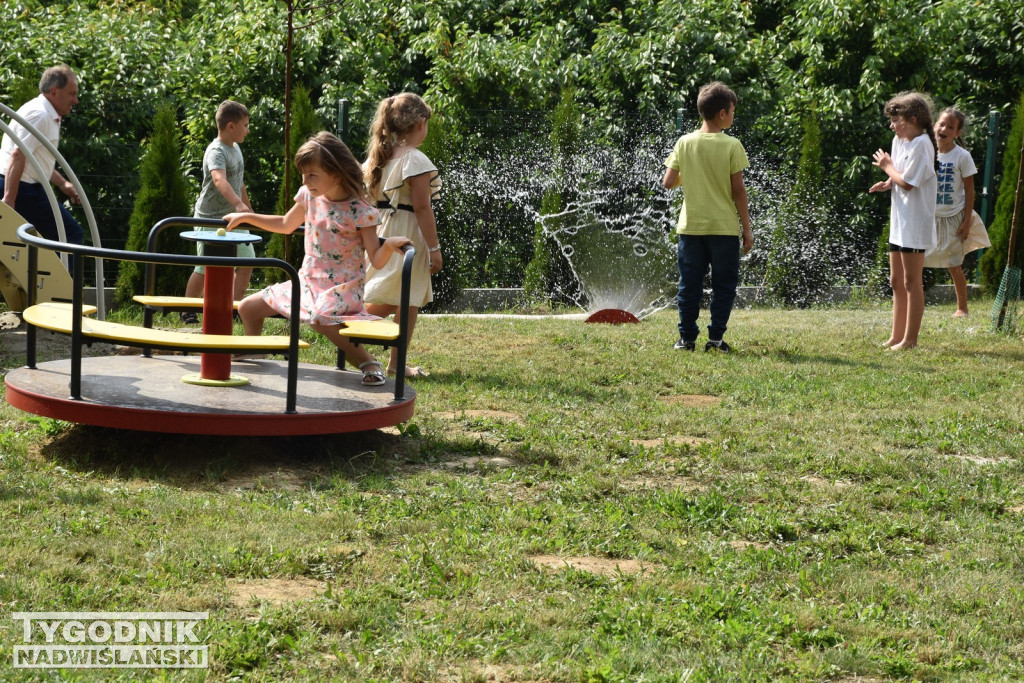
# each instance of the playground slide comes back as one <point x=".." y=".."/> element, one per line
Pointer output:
<point x="54" y="282"/>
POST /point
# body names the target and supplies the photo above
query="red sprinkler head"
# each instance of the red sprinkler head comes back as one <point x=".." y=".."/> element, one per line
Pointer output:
<point x="615" y="316"/>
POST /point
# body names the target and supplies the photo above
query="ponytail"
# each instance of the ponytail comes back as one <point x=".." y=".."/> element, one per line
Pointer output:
<point x="935" y="145"/>
<point x="379" y="146"/>
<point x="395" y="117"/>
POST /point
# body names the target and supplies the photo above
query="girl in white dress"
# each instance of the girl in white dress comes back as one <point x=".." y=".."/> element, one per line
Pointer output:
<point x="912" y="178"/>
<point x="402" y="181"/>
<point x="954" y="204"/>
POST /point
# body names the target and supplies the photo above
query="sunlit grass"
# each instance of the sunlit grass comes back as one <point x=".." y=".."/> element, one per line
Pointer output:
<point x="811" y="507"/>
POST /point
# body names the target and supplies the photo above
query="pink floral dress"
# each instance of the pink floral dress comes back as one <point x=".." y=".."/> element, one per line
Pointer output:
<point x="333" y="269"/>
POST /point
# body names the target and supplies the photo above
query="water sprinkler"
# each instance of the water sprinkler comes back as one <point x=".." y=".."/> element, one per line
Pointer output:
<point x="614" y="316"/>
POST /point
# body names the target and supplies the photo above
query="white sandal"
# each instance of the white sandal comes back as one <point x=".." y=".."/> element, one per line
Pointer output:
<point x="372" y="378"/>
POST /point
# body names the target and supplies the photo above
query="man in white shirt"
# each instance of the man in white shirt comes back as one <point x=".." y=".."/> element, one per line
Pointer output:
<point x="22" y="188"/>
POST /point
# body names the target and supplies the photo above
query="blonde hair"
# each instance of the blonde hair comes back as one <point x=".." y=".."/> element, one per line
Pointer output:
<point x="336" y="159"/>
<point x="917" y="106"/>
<point x="396" y="117"/>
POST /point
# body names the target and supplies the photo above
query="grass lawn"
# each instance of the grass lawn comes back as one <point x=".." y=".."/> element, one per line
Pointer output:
<point x="571" y="502"/>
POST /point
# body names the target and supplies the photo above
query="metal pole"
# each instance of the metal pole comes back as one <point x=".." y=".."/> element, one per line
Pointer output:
<point x="343" y="120"/>
<point x="987" y="198"/>
<point x="990" y="166"/>
<point x="679" y="121"/>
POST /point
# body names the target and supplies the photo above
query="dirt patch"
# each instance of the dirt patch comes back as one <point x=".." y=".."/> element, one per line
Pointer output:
<point x="276" y="591"/>
<point x="977" y="459"/>
<point x="691" y="400"/>
<point x="474" y="462"/>
<point x="475" y="414"/>
<point x="1016" y="509"/>
<point x="49" y="345"/>
<point x="268" y="478"/>
<point x="602" y="566"/>
<point x="691" y="441"/>
<point x="659" y="483"/>
<point x="491" y="673"/>
<point x="825" y="483"/>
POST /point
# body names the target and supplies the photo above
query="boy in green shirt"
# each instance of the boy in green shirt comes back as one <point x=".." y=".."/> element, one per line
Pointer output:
<point x="708" y="165"/>
<point x="223" y="192"/>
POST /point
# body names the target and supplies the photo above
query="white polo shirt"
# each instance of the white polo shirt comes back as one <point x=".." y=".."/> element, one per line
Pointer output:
<point x="912" y="223"/>
<point x="41" y="114"/>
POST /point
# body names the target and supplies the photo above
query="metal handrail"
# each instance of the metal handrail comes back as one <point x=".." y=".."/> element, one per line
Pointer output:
<point x="35" y="242"/>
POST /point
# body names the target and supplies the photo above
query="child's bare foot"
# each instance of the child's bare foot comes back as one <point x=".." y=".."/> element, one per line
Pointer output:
<point x="410" y="371"/>
<point x="890" y="342"/>
<point x="961" y="313"/>
<point x="903" y="346"/>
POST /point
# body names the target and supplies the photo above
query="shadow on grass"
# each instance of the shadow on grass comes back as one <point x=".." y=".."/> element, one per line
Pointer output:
<point x="205" y="462"/>
<point x="196" y="462"/>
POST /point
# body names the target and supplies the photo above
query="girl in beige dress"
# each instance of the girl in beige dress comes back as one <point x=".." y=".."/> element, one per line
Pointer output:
<point x="402" y="181"/>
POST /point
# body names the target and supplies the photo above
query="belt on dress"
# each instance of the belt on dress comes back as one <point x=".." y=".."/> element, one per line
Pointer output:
<point x="386" y="206"/>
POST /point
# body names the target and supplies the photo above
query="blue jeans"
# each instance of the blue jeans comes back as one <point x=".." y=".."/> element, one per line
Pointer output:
<point x="696" y="253"/>
<point x="34" y="207"/>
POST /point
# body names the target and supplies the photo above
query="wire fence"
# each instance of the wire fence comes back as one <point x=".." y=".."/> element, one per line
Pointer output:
<point x="497" y="169"/>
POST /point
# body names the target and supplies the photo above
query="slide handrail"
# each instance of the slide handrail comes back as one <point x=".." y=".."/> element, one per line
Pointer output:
<point x="73" y="179"/>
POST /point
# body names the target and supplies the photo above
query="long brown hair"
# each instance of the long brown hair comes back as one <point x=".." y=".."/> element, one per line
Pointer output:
<point x="396" y="117"/>
<point x="336" y="159"/>
<point x="918" y="106"/>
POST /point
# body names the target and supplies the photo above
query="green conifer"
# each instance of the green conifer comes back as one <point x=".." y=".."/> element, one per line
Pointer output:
<point x="162" y="193"/>
<point x="304" y="124"/>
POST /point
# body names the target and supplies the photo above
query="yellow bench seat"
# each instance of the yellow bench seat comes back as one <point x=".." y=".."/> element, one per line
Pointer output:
<point x="379" y="330"/>
<point x="58" y="317"/>
<point x="172" y="302"/>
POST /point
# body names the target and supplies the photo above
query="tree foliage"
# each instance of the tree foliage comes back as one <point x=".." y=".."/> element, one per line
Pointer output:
<point x="804" y="242"/>
<point x="622" y="58"/>
<point x="994" y="261"/>
<point x="162" y="194"/>
<point x="305" y="123"/>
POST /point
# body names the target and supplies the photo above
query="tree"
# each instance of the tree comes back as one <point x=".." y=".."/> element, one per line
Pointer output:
<point x="305" y="123"/>
<point x="162" y="194"/>
<point x="994" y="260"/>
<point x="803" y="245"/>
<point x="548" y="274"/>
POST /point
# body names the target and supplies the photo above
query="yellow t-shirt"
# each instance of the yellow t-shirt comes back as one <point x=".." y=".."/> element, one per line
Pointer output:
<point x="706" y="162"/>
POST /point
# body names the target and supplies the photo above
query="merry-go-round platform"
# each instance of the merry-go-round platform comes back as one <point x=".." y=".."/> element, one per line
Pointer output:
<point x="148" y="394"/>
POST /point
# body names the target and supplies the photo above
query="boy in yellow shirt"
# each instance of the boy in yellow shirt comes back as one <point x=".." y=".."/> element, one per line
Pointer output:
<point x="708" y="165"/>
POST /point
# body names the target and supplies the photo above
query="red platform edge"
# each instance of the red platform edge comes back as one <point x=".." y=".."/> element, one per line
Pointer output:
<point x="615" y="316"/>
<point x="217" y="424"/>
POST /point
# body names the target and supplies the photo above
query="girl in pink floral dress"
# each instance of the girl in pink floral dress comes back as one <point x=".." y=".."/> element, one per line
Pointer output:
<point x="340" y="229"/>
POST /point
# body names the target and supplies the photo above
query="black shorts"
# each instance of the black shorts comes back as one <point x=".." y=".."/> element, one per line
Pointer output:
<point x="893" y="248"/>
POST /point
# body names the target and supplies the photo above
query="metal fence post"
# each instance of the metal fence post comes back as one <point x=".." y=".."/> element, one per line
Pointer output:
<point x="343" y="120"/>
<point x="987" y="195"/>
<point x="990" y="166"/>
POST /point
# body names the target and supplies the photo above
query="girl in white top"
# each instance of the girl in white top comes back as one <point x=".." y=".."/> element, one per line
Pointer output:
<point x="954" y="203"/>
<point x="402" y="181"/>
<point x="911" y="169"/>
